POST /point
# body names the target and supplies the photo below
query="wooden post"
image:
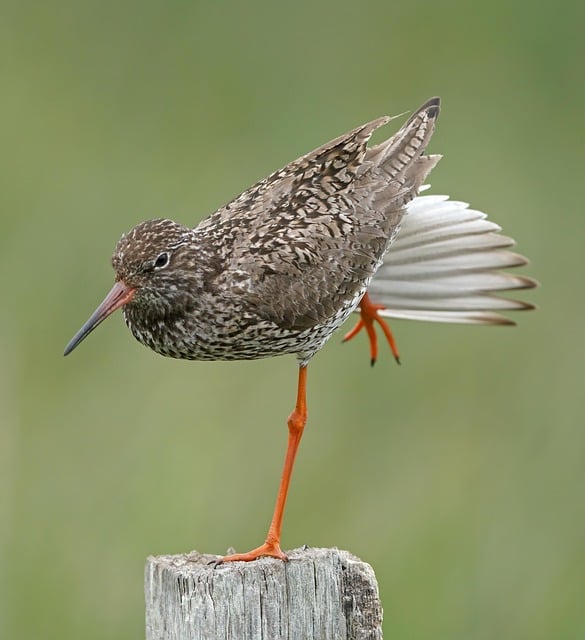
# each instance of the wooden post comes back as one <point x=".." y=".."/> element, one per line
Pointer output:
<point x="320" y="594"/>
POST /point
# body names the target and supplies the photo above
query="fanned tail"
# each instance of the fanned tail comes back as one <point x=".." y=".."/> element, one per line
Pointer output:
<point x="445" y="265"/>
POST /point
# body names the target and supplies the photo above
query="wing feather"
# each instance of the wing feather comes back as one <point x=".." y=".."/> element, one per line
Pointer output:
<point x="446" y="265"/>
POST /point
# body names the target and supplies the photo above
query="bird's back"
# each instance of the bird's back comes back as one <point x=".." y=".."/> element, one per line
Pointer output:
<point x="299" y="248"/>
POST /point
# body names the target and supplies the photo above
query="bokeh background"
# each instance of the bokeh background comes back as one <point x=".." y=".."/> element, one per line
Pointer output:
<point x="459" y="476"/>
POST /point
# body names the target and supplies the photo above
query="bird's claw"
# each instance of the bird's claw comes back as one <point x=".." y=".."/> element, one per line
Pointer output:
<point x="216" y="562"/>
<point x="268" y="549"/>
<point x="368" y="315"/>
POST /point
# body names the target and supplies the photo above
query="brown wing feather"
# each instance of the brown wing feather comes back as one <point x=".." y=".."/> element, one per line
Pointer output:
<point x="323" y="223"/>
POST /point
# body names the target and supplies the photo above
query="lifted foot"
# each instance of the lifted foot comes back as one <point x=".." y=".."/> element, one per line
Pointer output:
<point x="369" y="315"/>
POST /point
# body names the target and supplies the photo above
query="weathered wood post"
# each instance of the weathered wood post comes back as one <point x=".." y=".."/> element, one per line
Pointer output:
<point x="320" y="594"/>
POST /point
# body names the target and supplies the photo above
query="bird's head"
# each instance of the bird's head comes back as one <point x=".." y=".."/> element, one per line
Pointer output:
<point x="145" y="261"/>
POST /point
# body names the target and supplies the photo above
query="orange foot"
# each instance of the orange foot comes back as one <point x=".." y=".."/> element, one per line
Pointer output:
<point x="270" y="549"/>
<point x="369" y="315"/>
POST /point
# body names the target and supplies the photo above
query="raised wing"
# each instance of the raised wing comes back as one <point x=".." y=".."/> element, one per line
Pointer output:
<point x="304" y="242"/>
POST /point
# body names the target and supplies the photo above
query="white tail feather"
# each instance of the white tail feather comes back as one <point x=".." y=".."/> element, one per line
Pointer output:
<point x="444" y="266"/>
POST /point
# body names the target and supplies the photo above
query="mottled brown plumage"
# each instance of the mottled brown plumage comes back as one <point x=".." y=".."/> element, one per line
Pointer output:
<point x="281" y="267"/>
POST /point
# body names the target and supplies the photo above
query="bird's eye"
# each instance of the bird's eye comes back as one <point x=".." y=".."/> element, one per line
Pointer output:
<point x="162" y="261"/>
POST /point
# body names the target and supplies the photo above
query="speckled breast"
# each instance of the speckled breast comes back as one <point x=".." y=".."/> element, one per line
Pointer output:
<point x="233" y="336"/>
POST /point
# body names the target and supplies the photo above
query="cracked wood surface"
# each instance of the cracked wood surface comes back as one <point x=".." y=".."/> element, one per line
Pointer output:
<point x="319" y="594"/>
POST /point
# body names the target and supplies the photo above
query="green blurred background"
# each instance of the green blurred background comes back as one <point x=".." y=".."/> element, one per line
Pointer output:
<point x="459" y="476"/>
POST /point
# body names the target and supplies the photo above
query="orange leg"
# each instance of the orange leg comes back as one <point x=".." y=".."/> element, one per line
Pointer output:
<point x="296" y="424"/>
<point x="369" y="315"/>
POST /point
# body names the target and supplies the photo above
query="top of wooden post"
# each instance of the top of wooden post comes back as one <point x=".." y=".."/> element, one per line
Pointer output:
<point x="319" y="594"/>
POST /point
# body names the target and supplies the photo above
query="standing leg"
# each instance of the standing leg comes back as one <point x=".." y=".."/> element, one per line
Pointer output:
<point x="296" y="424"/>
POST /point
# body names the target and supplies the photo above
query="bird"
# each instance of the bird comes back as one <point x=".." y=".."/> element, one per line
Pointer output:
<point x="281" y="267"/>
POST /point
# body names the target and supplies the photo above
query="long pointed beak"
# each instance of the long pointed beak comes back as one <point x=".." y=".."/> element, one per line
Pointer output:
<point x="118" y="297"/>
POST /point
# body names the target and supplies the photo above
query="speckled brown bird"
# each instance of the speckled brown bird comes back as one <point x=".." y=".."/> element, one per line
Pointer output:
<point x="280" y="268"/>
